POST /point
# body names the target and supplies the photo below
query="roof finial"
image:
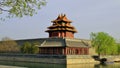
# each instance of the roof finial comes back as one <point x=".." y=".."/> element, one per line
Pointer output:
<point x="64" y="15"/>
<point x="61" y="14"/>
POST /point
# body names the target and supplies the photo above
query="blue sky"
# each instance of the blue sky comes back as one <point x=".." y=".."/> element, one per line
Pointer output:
<point x="87" y="16"/>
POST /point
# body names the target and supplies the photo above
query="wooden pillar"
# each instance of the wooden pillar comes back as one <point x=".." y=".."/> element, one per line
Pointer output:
<point x="81" y="51"/>
<point x="67" y="51"/>
<point x="78" y="50"/>
<point x="58" y="34"/>
<point x="56" y="50"/>
<point x="47" y="50"/>
<point x="39" y="51"/>
<point x="61" y="51"/>
<point x="73" y="51"/>
<point x="64" y="51"/>
<point x="43" y="50"/>
<point x="84" y="51"/>
<point x="51" y="51"/>
<point x="88" y="51"/>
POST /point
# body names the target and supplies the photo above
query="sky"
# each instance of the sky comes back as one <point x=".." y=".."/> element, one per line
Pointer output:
<point x="87" y="16"/>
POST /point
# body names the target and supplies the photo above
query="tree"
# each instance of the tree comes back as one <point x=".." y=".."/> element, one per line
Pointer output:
<point x="29" y="48"/>
<point x="34" y="49"/>
<point x="103" y="43"/>
<point x="26" y="47"/>
<point x="20" y="8"/>
<point x="118" y="51"/>
<point x="8" y="45"/>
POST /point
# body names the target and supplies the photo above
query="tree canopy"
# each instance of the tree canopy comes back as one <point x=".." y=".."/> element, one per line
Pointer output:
<point x="20" y="8"/>
<point x="103" y="43"/>
<point x="8" y="45"/>
<point x="29" y="48"/>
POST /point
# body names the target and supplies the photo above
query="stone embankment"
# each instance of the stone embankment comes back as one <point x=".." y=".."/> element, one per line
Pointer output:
<point x="77" y="59"/>
<point x="59" y="59"/>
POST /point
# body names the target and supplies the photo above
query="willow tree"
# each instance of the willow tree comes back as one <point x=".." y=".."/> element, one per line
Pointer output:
<point x="29" y="48"/>
<point x="20" y="8"/>
<point x="103" y="43"/>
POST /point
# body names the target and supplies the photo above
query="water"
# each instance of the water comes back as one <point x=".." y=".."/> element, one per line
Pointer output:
<point x="43" y="65"/>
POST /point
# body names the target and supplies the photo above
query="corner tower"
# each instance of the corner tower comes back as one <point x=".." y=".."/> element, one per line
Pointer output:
<point x="61" y="27"/>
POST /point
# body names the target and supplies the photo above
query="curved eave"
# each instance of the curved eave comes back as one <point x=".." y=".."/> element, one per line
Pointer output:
<point x="62" y="20"/>
<point x="56" y="26"/>
<point x="74" y="31"/>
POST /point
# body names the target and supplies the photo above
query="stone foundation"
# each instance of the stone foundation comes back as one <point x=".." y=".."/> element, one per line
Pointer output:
<point x="57" y="59"/>
<point x="77" y="59"/>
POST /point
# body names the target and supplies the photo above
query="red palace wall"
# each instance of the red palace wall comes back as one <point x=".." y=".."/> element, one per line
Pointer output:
<point x="64" y="51"/>
<point x="54" y="34"/>
<point x="61" y="34"/>
<point x="69" y="34"/>
<point x="76" y="51"/>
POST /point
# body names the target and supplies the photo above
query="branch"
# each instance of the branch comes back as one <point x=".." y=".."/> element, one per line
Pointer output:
<point x="3" y="10"/>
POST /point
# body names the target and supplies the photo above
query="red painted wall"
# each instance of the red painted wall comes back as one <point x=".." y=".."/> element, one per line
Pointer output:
<point x="61" y="34"/>
<point x="64" y="51"/>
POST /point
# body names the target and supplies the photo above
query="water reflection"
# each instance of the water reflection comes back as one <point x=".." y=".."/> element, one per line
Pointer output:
<point x="113" y="65"/>
<point x="33" y="65"/>
<point x="100" y="65"/>
<point x="43" y="65"/>
<point x="80" y="66"/>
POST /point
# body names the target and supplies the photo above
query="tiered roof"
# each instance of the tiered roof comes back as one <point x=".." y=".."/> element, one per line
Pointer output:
<point x="62" y="18"/>
<point x="57" y="42"/>
<point x="61" y="24"/>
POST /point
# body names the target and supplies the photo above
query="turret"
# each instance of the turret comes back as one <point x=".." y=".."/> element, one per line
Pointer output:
<point x="61" y="27"/>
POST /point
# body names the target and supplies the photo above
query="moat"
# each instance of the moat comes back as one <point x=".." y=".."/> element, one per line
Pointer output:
<point x="41" y="65"/>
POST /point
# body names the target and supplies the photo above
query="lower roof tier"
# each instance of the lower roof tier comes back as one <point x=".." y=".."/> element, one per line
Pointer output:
<point x="61" y="29"/>
<point x="58" y="42"/>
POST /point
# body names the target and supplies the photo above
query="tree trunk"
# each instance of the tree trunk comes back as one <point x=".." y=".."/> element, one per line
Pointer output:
<point x="99" y="51"/>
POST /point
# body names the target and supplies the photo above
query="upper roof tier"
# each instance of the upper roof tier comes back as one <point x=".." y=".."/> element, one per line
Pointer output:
<point x="62" y="17"/>
<point x="61" y="24"/>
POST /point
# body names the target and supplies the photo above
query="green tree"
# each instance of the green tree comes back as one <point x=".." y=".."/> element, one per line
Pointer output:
<point x="29" y="48"/>
<point x="118" y="51"/>
<point x="103" y="43"/>
<point x="35" y="48"/>
<point x="26" y="47"/>
<point x="20" y="8"/>
<point x="8" y="45"/>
